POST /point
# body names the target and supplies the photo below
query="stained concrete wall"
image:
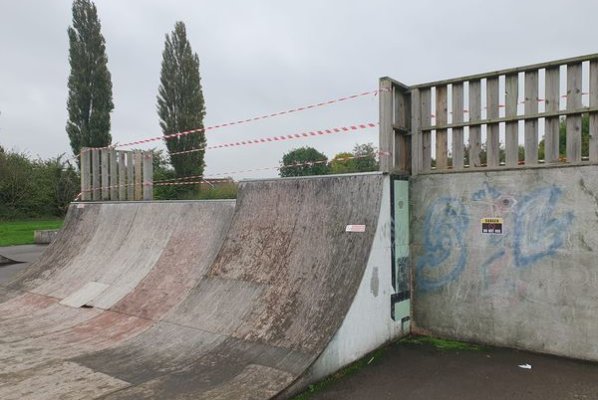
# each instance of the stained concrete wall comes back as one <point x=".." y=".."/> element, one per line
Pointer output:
<point x="533" y="287"/>
<point x="368" y="324"/>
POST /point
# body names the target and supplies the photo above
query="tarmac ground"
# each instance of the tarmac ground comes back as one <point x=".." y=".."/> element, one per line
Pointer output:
<point x="411" y="371"/>
<point x="24" y="254"/>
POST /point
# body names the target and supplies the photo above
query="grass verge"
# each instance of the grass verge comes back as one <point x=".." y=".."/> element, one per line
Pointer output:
<point x="441" y="344"/>
<point x="13" y="233"/>
<point x="343" y="373"/>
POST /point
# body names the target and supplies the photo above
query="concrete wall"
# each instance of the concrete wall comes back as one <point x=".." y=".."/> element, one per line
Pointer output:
<point x="533" y="287"/>
<point x="368" y="324"/>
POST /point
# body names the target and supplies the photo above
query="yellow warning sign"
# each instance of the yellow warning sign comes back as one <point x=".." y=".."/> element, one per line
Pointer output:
<point x="492" y="225"/>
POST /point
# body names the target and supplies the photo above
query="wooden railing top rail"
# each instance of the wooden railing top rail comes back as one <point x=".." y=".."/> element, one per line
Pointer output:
<point x="509" y="71"/>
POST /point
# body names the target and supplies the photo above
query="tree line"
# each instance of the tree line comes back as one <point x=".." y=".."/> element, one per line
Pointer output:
<point x="305" y="161"/>
<point x="179" y="102"/>
<point x="33" y="187"/>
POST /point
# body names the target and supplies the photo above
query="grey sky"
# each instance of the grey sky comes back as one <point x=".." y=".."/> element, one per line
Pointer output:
<point x="263" y="56"/>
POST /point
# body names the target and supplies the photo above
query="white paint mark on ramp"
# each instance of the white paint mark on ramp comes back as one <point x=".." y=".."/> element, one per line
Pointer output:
<point x="84" y="295"/>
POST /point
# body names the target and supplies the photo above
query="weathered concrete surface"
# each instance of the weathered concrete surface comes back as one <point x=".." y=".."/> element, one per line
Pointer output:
<point x="45" y="236"/>
<point x="269" y="304"/>
<point x="191" y="300"/>
<point x="367" y="325"/>
<point x="533" y="287"/>
<point x="38" y="334"/>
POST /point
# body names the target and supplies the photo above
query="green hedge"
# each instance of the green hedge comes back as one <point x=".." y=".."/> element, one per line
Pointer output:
<point x="32" y="188"/>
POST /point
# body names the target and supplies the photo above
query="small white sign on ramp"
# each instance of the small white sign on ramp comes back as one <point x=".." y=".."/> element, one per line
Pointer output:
<point x="84" y="295"/>
<point x="355" y="228"/>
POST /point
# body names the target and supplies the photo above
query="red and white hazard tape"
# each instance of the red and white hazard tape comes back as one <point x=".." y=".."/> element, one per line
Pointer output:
<point x="342" y="129"/>
<point x="223" y="175"/>
<point x="243" y="121"/>
<point x="181" y="181"/>
<point x="520" y="102"/>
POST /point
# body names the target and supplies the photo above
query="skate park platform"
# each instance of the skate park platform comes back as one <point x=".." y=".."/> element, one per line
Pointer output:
<point x="252" y="299"/>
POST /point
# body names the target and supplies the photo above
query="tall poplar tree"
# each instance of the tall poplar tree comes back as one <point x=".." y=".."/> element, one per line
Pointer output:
<point x="180" y="102"/>
<point x="89" y="101"/>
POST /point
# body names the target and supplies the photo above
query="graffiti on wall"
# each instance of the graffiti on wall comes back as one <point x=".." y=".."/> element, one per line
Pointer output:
<point x="444" y="246"/>
<point x="538" y="228"/>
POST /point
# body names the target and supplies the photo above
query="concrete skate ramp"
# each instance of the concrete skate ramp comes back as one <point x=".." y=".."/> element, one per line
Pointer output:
<point x="165" y="319"/>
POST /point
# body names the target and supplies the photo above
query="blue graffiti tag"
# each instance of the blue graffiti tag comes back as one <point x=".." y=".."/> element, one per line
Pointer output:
<point x="445" y="224"/>
<point x="538" y="232"/>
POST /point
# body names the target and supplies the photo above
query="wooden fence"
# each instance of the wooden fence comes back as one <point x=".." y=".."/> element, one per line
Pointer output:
<point x="110" y="174"/>
<point x="493" y="120"/>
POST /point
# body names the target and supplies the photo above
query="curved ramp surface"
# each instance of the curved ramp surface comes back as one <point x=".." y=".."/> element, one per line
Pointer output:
<point x="165" y="317"/>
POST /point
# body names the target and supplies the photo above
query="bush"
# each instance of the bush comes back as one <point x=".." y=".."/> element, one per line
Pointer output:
<point x="35" y="188"/>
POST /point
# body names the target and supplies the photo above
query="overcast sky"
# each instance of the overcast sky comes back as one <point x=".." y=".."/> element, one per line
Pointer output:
<point x="259" y="57"/>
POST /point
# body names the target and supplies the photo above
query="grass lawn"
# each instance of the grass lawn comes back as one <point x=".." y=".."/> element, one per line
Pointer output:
<point x="21" y="232"/>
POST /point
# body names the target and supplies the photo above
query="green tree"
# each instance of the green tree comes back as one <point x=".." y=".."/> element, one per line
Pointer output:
<point x="341" y="165"/>
<point x="302" y="162"/>
<point x="585" y="138"/>
<point x="181" y="103"/>
<point x="365" y="160"/>
<point x="89" y="101"/>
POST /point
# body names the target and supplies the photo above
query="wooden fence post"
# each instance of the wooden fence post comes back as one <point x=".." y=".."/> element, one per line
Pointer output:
<point x="95" y="171"/>
<point x="148" y="176"/>
<point x="386" y="135"/>
<point x="138" y="166"/>
<point x="130" y="176"/>
<point x="113" y="175"/>
<point x="122" y="177"/>
<point x="85" y="174"/>
<point x="105" y="168"/>
<point x="416" y="134"/>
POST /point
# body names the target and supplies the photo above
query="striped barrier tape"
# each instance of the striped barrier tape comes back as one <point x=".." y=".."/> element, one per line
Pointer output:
<point x="342" y="129"/>
<point x="243" y="121"/>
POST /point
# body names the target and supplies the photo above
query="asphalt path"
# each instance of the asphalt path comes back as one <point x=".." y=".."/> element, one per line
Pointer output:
<point x="24" y="254"/>
<point x="422" y="372"/>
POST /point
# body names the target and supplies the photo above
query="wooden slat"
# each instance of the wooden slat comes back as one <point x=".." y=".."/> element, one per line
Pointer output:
<point x="441" y="134"/>
<point x="138" y="160"/>
<point x="509" y="71"/>
<point x="122" y="176"/>
<point x="402" y="121"/>
<point x="531" y="125"/>
<point x="573" y="104"/>
<point x="386" y="133"/>
<point x="475" y="114"/>
<point x="426" y="112"/>
<point x="130" y="176"/>
<point x="594" y="115"/>
<point x="493" y="139"/>
<point x="457" y="109"/>
<point x="516" y="118"/>
<point x="511" y="128"/>
<point x="105" y="171"/>
<point x="416" y="133"/>
<point x="113" y="175"/>
<point x="95" y="174"/>
<point x="85" y="174"/>
<point x="551" y="125"/>
<point x="148" y="176"/>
